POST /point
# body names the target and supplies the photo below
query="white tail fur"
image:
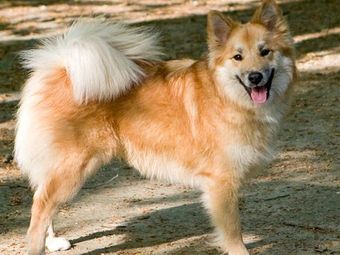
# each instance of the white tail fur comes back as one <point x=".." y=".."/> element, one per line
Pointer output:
<point x="100" y="61"/>
<point x="99" y="57"/>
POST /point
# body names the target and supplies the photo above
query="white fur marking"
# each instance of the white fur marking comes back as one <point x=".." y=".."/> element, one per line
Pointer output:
<point x="246" y="156"/>
<point x="33" y="143"/>
<point x="57" y="244"/>
<point x="99" y="58"/>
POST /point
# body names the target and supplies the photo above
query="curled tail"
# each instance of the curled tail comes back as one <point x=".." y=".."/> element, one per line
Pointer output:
<point x="100" y="62"/>
<point x="99" y="58"/>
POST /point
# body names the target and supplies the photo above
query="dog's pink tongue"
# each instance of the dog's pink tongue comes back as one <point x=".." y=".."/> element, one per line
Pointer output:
<point x="259" y="95"/>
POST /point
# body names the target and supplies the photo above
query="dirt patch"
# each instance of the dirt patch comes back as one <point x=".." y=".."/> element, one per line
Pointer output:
<point x="293" y="208"/>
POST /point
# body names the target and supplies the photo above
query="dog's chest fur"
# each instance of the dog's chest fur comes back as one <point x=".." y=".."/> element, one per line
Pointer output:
<point x="248" y="144"/>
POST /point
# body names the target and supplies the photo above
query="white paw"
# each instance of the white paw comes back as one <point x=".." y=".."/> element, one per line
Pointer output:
<point x="57" y="244"/>
<point x="238" y="251"/>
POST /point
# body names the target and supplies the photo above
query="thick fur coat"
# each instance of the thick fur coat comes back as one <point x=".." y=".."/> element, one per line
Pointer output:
<point x="100" y="92"/>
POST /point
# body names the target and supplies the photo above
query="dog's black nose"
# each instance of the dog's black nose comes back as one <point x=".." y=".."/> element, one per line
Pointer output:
<point x="255" y="77"/>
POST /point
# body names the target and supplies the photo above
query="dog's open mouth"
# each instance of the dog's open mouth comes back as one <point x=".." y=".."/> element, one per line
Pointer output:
<point x="259" y="94"/>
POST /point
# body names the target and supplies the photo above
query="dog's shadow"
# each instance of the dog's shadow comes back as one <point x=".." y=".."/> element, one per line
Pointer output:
<point x="188" y="221"/>
<point x="177" y="223"/>
<point x="275" y="206"/>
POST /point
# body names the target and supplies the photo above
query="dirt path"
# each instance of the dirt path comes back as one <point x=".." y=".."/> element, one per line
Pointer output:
<point x="293" y="208"/>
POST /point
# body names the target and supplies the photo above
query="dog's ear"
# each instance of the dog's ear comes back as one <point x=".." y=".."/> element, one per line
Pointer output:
<point x="269" y="15"/>
<point x="218" y="29"/>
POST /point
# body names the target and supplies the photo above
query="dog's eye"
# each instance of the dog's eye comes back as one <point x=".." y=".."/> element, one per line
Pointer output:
<point x="238" y="57"/>
<point x="264" y="52"/>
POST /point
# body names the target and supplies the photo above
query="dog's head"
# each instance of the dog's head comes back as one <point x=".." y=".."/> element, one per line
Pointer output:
<point x="253" y="62"/>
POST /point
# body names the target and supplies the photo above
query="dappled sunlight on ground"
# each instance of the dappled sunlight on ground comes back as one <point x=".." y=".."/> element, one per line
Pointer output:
<point x="325" y="61"/>
<point x="289" y="209"/>
<point x="40" y="20"/>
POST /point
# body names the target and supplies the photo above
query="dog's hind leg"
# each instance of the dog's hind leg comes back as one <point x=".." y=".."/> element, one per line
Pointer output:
<point x="60" y="185"/>
<point x="221" y="200"/>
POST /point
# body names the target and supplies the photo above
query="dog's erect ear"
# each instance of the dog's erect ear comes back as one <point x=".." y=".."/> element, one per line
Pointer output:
<point x="218" y="28"/>
<point x="268" y="14"/>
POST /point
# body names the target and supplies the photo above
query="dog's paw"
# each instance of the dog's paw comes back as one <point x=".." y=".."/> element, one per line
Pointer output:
<point x="238" y="251"/>
<point x="57" y="244"/>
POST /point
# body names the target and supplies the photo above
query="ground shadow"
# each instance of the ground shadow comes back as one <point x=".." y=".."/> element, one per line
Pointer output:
<point x="8" y="3"/>
<point x="261" y="211"/>
<point x="142" y="232"/>
<point x="313" y="111"/>
<point x="8" y="111"/>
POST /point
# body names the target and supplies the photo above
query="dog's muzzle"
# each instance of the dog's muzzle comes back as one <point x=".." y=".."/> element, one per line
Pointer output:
<point x="258" y="94"/>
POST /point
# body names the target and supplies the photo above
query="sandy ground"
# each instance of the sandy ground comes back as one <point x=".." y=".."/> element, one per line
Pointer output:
<point x="292" y="208"/>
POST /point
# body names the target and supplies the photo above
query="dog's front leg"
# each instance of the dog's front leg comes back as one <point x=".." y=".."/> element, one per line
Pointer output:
<point x="221" y="200"/>
<point x="54" y="243"/>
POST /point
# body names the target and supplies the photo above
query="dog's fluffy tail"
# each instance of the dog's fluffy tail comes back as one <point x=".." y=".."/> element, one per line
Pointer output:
<point x="101" y="62"/>
<point x="99" y="58"/>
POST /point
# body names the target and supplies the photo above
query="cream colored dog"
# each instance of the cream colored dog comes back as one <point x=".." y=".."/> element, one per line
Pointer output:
<point x="99" y="91"/>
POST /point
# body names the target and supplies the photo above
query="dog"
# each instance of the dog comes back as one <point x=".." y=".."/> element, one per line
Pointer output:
<point x="101" y="91"/>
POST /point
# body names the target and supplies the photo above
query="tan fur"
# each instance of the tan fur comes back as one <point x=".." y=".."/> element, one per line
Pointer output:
<point x="179" y="114"/>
